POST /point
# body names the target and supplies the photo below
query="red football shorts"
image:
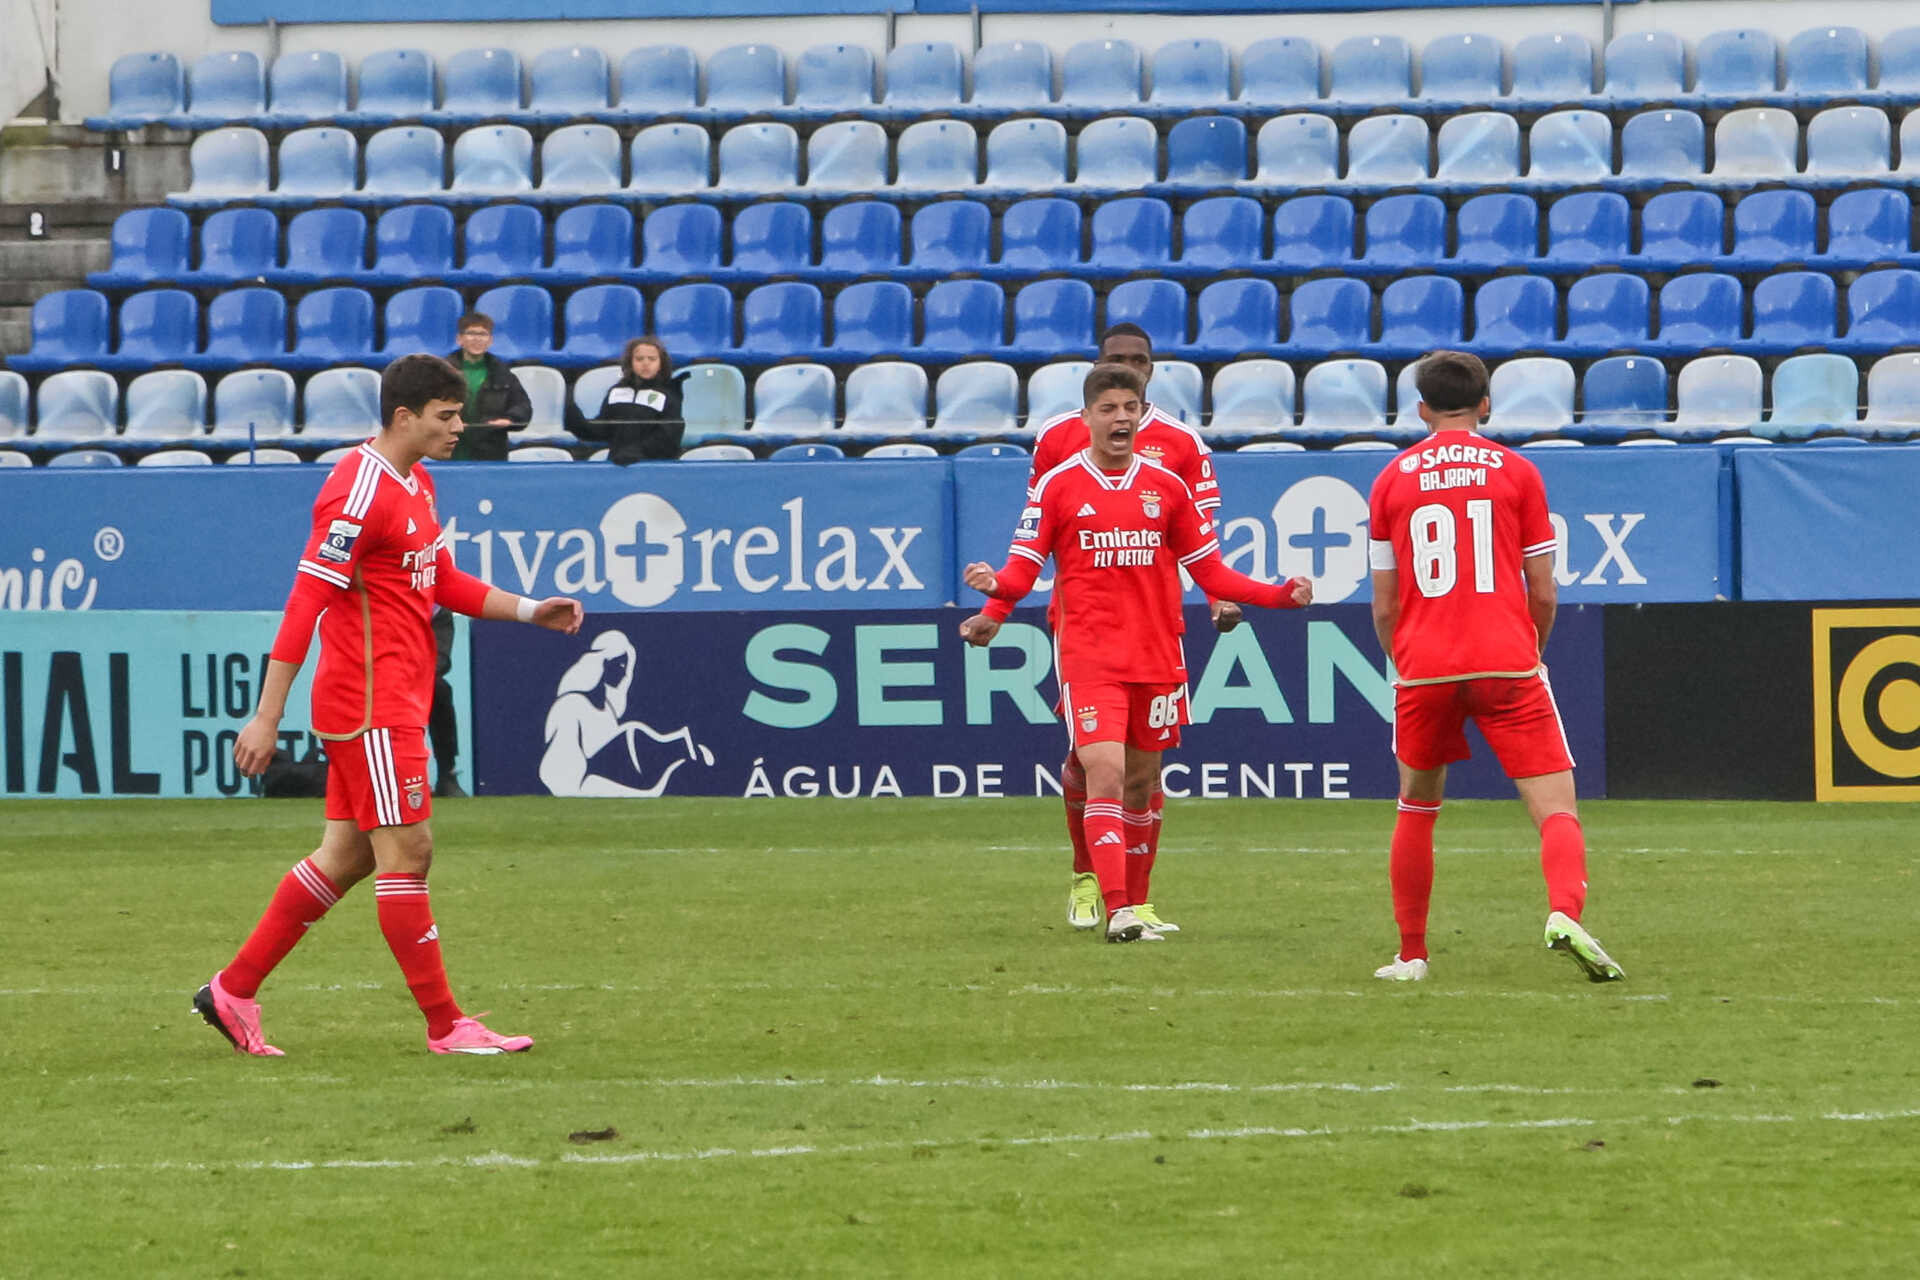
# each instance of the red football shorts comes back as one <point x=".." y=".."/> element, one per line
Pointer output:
<point x="1518" y="719"/>
<point x="1146" y="717"/>
<point x="379" y="779"/>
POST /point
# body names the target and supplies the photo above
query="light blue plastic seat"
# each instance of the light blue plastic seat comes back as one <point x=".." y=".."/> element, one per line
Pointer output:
<point x="592" y="240"/>
<point x="847" y="157"/>
<point x="1589" y="227"/>
<point x="502" y="241"/>
<point x="1500" y="229"/>
<point x="1406" y="231"/>
<point x="1052" y="317"/>
<point x="580" y="159"/>
<point x="166" y="404"/>
<point x="157" y="326"/>
<point x="713" y="401"/>
<point x="546" y="390"/>
<point x="1463" y="69"/>
<point x="1479" y="147"/>
<point x="1849" y="142"/>
<point x="694" y="321"/>
<point x="1419" y="314"/>
<point x="568" y="82"/>
<point x="333" y="326"/>
<point x="1388" y="151"/>
<point x="1253" y="395"/>
<point x="1312" y="232"/>
<point x="1552" y="67"/>
<point x="863" y="237"/>
<point x="77" y="404"/>
<point x="1191" y="73"/>
<point x="148" y="244"/>
<point x="599" y="320"/>
<point x="659" y="79"/>
<point x="227" y="85"/>
<point x="1663" y="146"/>
<point x="493" y="160"/>
<point x="1755" y="143"/>
<point x="1055" y="389"/>
<point x="522" y="322"/>
<point x="960" y="318"/>
<point x="1827" y="62"/>
<point x="1329" y="316"/>
<point x="142" y="89"/>
<point x="1683" y="228"/>
<point x="311" y="85"/>
<point x="1407" y="425"/>
<point x="1042" y="234"/>
<point x="245" y="326"/>
<point x="70" y="327"/>
<point x="1531" y="397"/>
<point x="1340" y="397"/>
<point x="1101" y="75"/>
<point x="833" y="77"/>
<point x="746" y="79"/>
<point x="1014" y="75"/>
<point x="937" y="155"/>
<point x="15" y="417"/>
<point x="772" y="238"/>
<point x="782" y="320"/>
<point x="1120" y="153"/>
<point x="1223" y="233"/>
<point x="1232" y="317"/>
<point x="395" y="84"/>
<point x="924" y="76"/>
<point x="1158" y="306"/>
<point x="1206" y="152"/>
<point x="1027" y="155"/>
<point x="1883" y="309"/>
<point x="1870" y="226"/>
<point x="1899" y="54"/>
<point x="1740" y="65"/>
<point x="1646" y="66"/>
<point x="908" y="449"/>
<point x="1893" y="396"/>
<point x="794" y="397"/>
<point x="1280" y="71"/>
<point x="980" y="396"/>
<point x="723" y="452"/>
<point x="317" y="164"/>
<point x="1715" y="395"/>
<point x="1608" y="312"/>
<point x="1131" y="235"/>
<point x="423" y="320"/>
<point x="1909" y="145"/>
<point x="1621" y="395"/>
<point x="227" y="165"/>
<point x="325" y="244"/>
<point x="669" y="159"/>
<point x="1774" y="227"/>
<point x="85" y="458"/>
<point x="761" y="157"/>
<point x="404" y="162"/>
<point x="1515" y="313"/>
<point x="478" y="84"/>
<point x="953" y="236"/>
<point x="591" y="387"/>
<point x="341" y="402"/>
<point x="887" y="396"/>
<point x="1372" y="70"/>
<point x="1297" y="150"/>
<point x="1176" y="388"/>
<point x="1570" y="147"/>
<point x="1813" y="393"/>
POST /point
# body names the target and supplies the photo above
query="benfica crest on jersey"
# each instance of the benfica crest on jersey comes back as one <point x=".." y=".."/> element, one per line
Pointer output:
<point x="416" y="789"/>
<point x="1150" y="503"/>
<point x="1152" y="451"/>
<point x="1089" y="719"/>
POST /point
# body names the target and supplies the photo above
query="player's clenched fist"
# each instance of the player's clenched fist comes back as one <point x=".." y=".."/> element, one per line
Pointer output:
<point x="979" y="630"/>
<point x="1302" y="590"/>
<point x="980" y="576"/>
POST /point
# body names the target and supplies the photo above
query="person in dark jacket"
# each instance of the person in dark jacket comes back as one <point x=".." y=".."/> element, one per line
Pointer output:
<point x="640" y="417"/>
<point x="496" y="402"/>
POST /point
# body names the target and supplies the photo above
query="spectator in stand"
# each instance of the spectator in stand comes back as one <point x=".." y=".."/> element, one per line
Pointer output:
<point x="640" y="417"/>
<point x="496" y="402"/>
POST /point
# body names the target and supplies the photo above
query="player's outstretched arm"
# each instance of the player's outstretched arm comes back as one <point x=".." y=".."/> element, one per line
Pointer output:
<point x="461" y="592"/>
<point x="1223" y="583"/>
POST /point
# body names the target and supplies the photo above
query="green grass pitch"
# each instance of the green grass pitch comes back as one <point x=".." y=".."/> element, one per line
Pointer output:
<point x="858" y="1038"/>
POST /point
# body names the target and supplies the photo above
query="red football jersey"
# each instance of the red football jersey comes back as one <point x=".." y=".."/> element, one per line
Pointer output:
<point x="376" y="539"/>
<point x="1456" y="515"/>
<point x="1161" y="438"/>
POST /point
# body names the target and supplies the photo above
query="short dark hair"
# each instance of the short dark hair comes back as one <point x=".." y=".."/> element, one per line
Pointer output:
<point x="644" y="340"/>
<point x="1103" y="378"/>
<point x="411" y="382"/>
<point x="474" y="320"/>
<point x="1451" y="381"/>
<point x="1125" y="329"/>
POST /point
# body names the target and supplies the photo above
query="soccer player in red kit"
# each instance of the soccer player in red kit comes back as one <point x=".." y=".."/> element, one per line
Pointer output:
<point x="1164" y="439"/>
<point x="374" y="568"/>
<point x="1463" y="601"/>
<point x="1119" y="528"/>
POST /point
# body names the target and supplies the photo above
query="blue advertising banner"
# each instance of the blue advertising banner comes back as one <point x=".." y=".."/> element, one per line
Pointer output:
<point x="1633" y="527"/>
<point x="844" y="704"/>
<point x="1828" y="524"/>
<point x="142" y="704"/>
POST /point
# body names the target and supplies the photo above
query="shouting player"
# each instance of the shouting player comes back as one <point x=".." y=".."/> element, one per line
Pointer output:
<point x="1463" y="601"/>
<point x="1119" y="528"/>
<point x="374" y="567"/>
<point x="1164" y="439"/>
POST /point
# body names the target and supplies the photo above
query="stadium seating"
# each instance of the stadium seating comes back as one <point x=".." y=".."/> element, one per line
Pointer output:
<point x="316" y="164"/>
<point x="1052" y="318"/>
<point x="244" y="326"/>
<point x="1253" y="395"/>
<point x="951" y="237"/>
<point x="1296" y="151"/>
<point x="1405" y="231"/>
<point x="1368" y="71"/>
<point x="889" y="396"/>
<point x="846" y="158"/>
<point x="522" y="322"/>
<point x="70" y="327"/>
<point x="1551" y="69"/>
<point x="1515" y="314"/>
<point x="1500" y="229"/>
<point x="1893" y="397"/>
<point x="1531" y="397"/>
<point x="1717" y="395"/>
<point x="873" y="318"/>
<point x="395" y="84"/>
<point x="1421" y="313"/>
<point x="16" y="417"/>
<point x="142" y="89"/>
<point x="713" y="401"/>
<point x="1100" y="75"/>
<point x="794" y="397"/>
<point x="961" y="318"/>
<point x="981" y="397"/>
<point x="157" y="326"/>
<point x="1620" y="396"/>
<point x="1191" y="73"/>
<point x="1313" y="232"/>
<point x="478" y="84"/>
<point x="323" y="244"/>
<point x="579" y="160"/>
<point x="1222" y="233"/>
<point x="1038" y="235"/>
<point x="177" y="458"/>
<point x="746" y="79"/>
<point x="658" y="80"/>
<point x="502" y="242"/>
<point x="568" y="83"/>
<point x="937" y="155"/>
<point x="423" y="319"/>
<point x="1176" y="388"/>
<point x="863" y="238"/>
<point x="923" y="77"/>
<point x="1131" y="235"/>
<point x="758" y="159"/>
<point x="225" y="86"/>
<point x="404" y="163"/>
<point x="1026" y="155"/>
<point x="590" y="242"/>
<point x="1115" y="155"/>
<point x="1234" y="317"/>
<point x="1607" y="313"/>
<point x="598" y="321"/>
<point x="807" y="453"/>
<point x="771" y="239"/>
<point x="227" y="165"/>
<point x="669" y="160"/>
<point x="781" y="320"/>
<point x="695" y="321"/>
<point x="492" y="160"/>
<point x="1206" y="153"/>
<point x="1013" y="76"/>
<point x="1460" y="71"/>
<point x="341" y="403"/>
<point x="1344" y="397"/>
<point x="75" y="405"/>
<point x="1054" y="389"/>
<point x="1812" y="393"/>
<point x="681" y="240"/>
<point x="1388" y="151"/>
<point x="167" y="404"/>
<point x="1330" y="316"/>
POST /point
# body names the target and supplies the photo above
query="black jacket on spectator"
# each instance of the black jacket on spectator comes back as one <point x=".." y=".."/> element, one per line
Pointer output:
<point x="501" y="396"/>
<point x="639" y="420"/>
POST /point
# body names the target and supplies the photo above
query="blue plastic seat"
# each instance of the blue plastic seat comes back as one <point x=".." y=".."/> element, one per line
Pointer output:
<point x="1297" y="150"/>
<point x="1481" y="148"/>
<point x="1646" y="66"/>
<point x="681" y="240"/>
<point x="1827" y="62"/>
<point x="937" y="154"/>
<point x="926" y="75"/>
<point x="1052" y="318"/>
<point x="1870" y="226"/>
<point x="1570" y="147"/>
<point x="568" y="82"/>
<point x="227" y="164"/>
<point x="1406" y="231"/>
<point x="1371" y="70"/>
<point x="157" y="326"/>
<point x="1608" y="312"/>
<point x="774" y="238"/>
<point x="307" y="86"/>
<point x="962" y="318"/>
<point x="1756" y="142"/>
<point x="1883" y="309"/>
<point x="317" y="164"/>
<point x="1717" y="394"/>
<point x="1736" y="66"/>
<point x="1388" y="150"/>
<point x="148" y="244"/>
<point x="953" y="236"/>
<point x="1849" y="142"/>
<point x="1663" y="146"/>
<point x="849" y="156"/>
<point x="1773" y="227"/>
<point x="580" y="159"/>
<point x="760" y="158"/>
<point x="694" y="321"/>
<point x="493" y="160"/>
<point x="1339" y="397"/>
<point x="522" y="322"/>
<point x="1621" y="395"/>
<point x="1015" y="75"/>
<point x="1312" y="232"/>
<point x="502" y="241"/>
<point x="713" y="400"/>
<point x="781" y="320"/>
<point x="1252" y="395"/>
<point x="670" y="159"/>
<point x="658" y="80"/>
<point x="1683" y="228"/>
<point x="1530" y="397"/>
<point x="1419" y="314"/>
<point x="333" y="326"/>
<point x="341" y="402"/>
<point x="872" y="318"/>
<point x="85" y="458"/>
<point x="1813" y="393"/>
<point x="988" y="449"/>
<point x="890" y="395"/>
<point x="1900" y="62"/>
<point x="862" y="238"/>
<point x="1501" y="229"/>
<point x="1130" y="235"/>
<point x="1280" y="71"/>
<point x="982" y="397"/>
<point x="405" y="161"/>
<point x="77" y="404"/>
<point x="1463" y="69"/>
<point x="1700" y="311"/>
<point x="395" y="84"/>
<point x="142" y="88"/>
<point x="1027" y="155"/>
<point x="746" y="79"/>
<point x="1222" y="233"/>
<point x="592" y="240"/>
<point x="794" y="397"/>
<point x="599" y="321"/>
<point x="245" y="326"/>
<point x="1589" y="227"/>
<point x="1515" y="313"/>
<point x="1191" y="73"/>
<point x="807" y="452"/>
<point x="1206" y="152"/>
<point x="1042" y="234"/>
<point x="478" y="84"/>
<point x="422" y="320"/>
<point x="1910" y="143"/>
<point x="325" y="244"/>
<point x="1099" y="75"/>
<point x="1330" y="315"/>
<point x="1120" y="153"/>
<point x="833" y="77"/>
<point x="1553" y="67"/>
<point x="1055" y="389"/>
<point x="168" y="403"/>
<point x="1232" y="317"/>
<point x="226" y="86"/>
<point x="1158" y="306"/>
<point x="70" y="326"/>
<point x="1893" y="396"/>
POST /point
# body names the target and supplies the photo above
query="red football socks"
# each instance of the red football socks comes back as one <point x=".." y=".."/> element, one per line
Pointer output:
<point x="302" y="898"/>
<point x="1563" y="860"/>
<point x="1073" y="790"/>
<point x="1107" y="846"/>
<point x="1138" y="829"/>
<point x="1410" y="870"/>
<point x="406" y="921"/>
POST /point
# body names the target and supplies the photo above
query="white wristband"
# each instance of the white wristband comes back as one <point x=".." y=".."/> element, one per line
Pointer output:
<point x="525" y="609"/>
